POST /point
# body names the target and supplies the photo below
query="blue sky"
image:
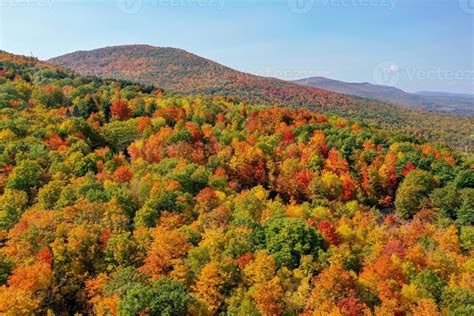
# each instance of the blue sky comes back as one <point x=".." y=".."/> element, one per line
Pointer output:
<point x="412" y="44"/>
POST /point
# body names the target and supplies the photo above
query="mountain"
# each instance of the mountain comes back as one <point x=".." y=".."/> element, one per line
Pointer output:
<point x="179" y="71"/>
<point x="444" y="94"/>
<point x="462" y="104"/>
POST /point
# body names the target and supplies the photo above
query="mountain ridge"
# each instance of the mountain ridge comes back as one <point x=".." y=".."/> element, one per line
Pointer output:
<point x="182" y="72"/>
<point x="431" y="101"/>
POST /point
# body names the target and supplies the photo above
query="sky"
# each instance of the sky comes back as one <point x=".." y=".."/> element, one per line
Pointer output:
<point x="415" y="45"/>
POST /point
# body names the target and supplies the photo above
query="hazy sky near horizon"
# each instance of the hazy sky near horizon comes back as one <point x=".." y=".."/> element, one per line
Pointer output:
<point x="411" y="44"/>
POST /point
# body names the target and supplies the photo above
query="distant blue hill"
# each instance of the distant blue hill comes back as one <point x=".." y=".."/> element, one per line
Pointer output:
<point x="442" y="102"/>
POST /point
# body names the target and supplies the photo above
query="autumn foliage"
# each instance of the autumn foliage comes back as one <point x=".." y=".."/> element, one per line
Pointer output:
<point x="173" y="205"/>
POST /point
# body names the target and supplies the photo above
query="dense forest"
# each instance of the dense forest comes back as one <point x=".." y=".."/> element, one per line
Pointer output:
<point x="179" y="71"/>
<point x="121" y="199"/>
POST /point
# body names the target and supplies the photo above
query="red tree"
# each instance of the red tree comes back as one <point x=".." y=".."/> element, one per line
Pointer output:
<point x="120" y="108"/>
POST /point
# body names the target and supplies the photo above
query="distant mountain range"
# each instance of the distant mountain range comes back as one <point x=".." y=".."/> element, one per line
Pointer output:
<point x="175" y="70"/>
<point x="462" y="104"/>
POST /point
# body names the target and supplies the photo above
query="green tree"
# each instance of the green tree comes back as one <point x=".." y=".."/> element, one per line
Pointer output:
<point x="12" y="205"/>
<point x="6" y="267"/>
<point x="164" y="297"/>
<point x="25" y="176"/>
<point x="412" y="195"/>
<point x="467" y="238"/>
<point x="120" y="134"/>
<point x="123" y="280"/>
<point x="465" y="214"/>
<point x="49" y="194"/>
<point x="446" y="199"/>
<point x="50" y="96"/>
<point x="430" y="284"/>
<point x="458" y="300"/>
<point x="288" y="239"/>
<point x="465" y="179"/>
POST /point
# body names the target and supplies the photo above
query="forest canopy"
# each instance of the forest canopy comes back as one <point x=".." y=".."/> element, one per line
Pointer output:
<point x="121" y="199"/>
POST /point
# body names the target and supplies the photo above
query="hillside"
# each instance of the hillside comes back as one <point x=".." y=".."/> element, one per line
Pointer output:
<point x="120" y="199"/>
<point x="182" y="72"/>
<point x="462" y="104"/>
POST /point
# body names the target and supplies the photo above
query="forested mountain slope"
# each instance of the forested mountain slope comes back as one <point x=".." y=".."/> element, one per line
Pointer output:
<point x="117" y="198"/>
<point x="182" y="72"/>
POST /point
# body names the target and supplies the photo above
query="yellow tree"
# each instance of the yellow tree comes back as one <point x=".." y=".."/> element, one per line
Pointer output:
<point x="209" y="285"/>
<point x="166" y="253"/>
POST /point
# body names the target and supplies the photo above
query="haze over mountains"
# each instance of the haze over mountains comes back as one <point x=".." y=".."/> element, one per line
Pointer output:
<point x="462" y="104"/>
<point x="178" y="71"/>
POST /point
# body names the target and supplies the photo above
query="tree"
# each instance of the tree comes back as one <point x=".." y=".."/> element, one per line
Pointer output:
<point x="429" y="284"/>
<point x="329" y="233"/>
<point x="327" y="186"/>
<point x="467" y="237"/>
<point x="49" y="194"/>
<point x="261" y="269"/>
<point x="426" y="307"/>
<point x="248" y="164"/>
<point x="209" y="286"/>
<point x="318" y="142"/>
<point x="6" y="267"/>
<point x="121" y="249"/>
<point x="412" y="195"/>
<point x="50" y="96"/>
<point x="458" y="300"/>
<point x="166" y="253"/>
<point x="123" y="174"/>
<point x="336" y="163"/>
<point x="268" y="297"/>
<point x="120" y="109"/>
<point x="465" y="214"/>
<point x="119" y="135"/>
<point x="330" y="287"/>
<point x="26" y="176"/>
<point x="288" y="239"/>
<point x="12" y="204"/>
<point x="86" y="106"/>
<point x="163" y="297"/>
<point x="465" y="179"/>
<point x="28" y="287"/>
